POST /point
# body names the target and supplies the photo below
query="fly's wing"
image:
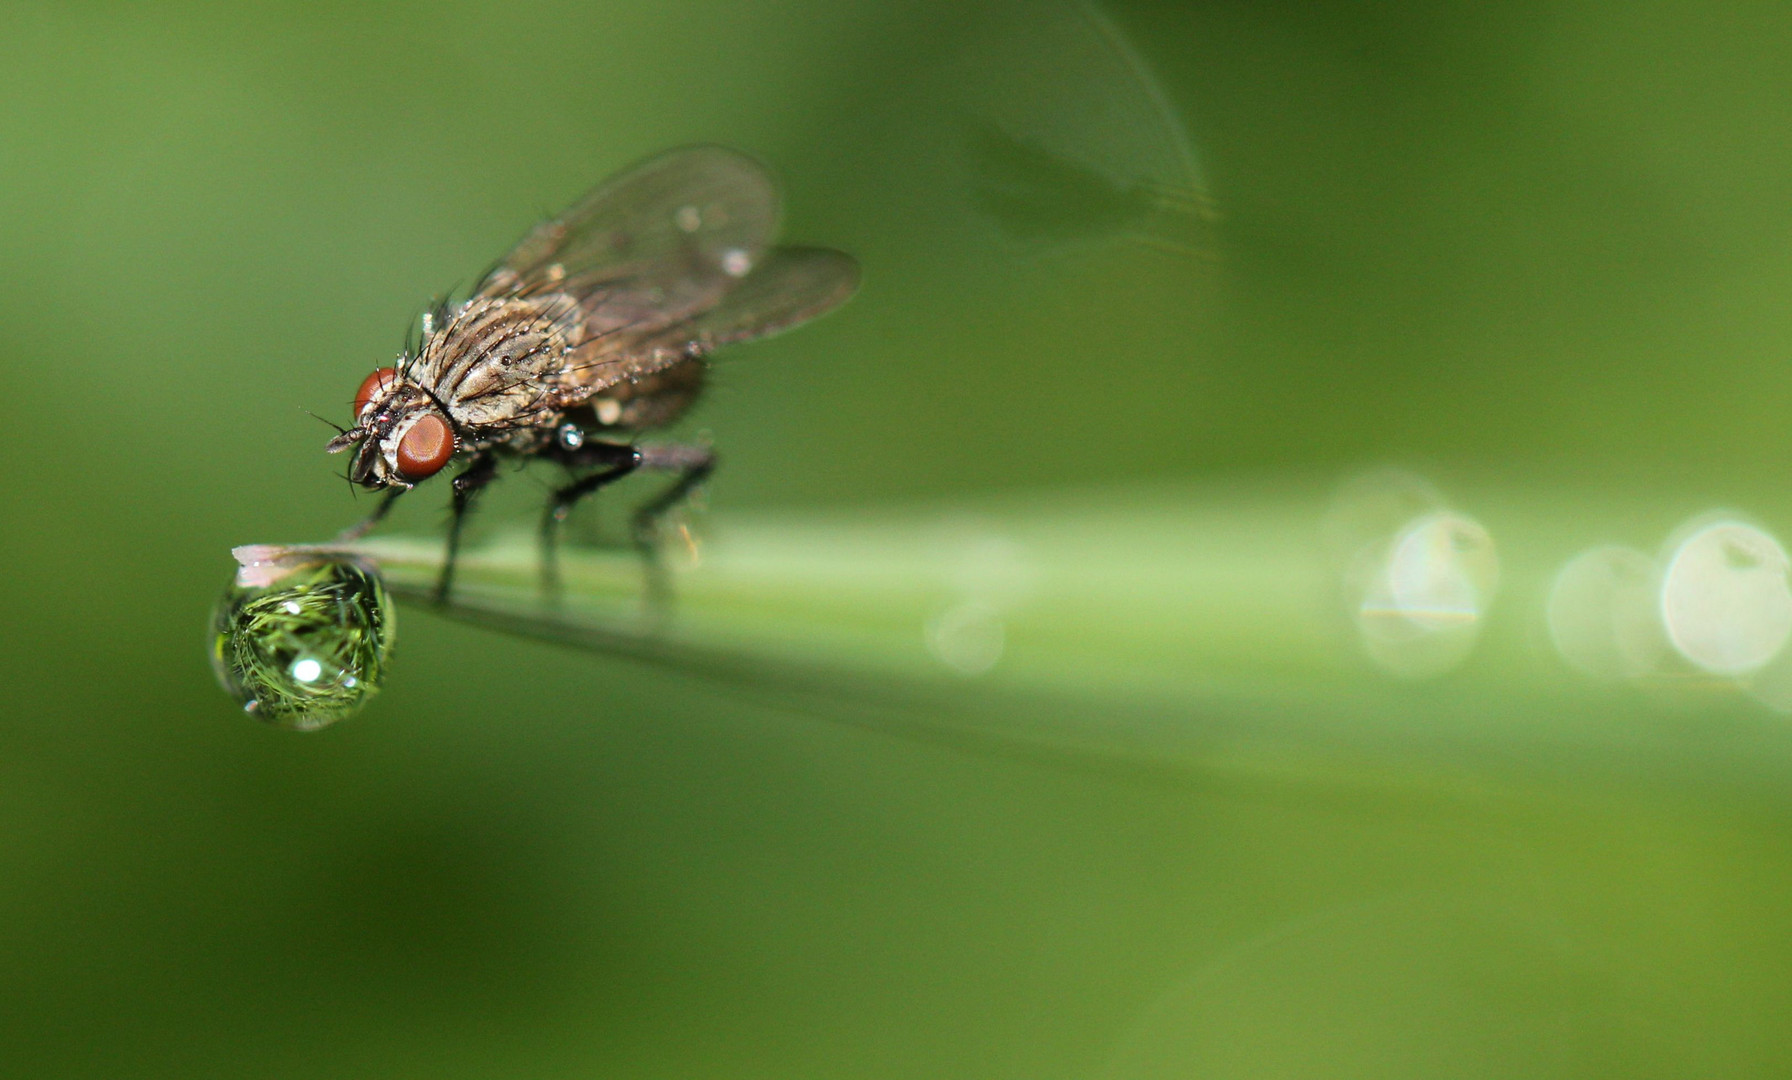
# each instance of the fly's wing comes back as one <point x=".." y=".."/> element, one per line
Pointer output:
<point x="651" y="247"/>
<point x="790" y="286"/>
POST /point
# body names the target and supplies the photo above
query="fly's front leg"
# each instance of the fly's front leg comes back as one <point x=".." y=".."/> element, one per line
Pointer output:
<point x="693" y="464"/>
<point x="609" y="463"/>
<point x="365" y="525"/>
<point x="478" y="473"/>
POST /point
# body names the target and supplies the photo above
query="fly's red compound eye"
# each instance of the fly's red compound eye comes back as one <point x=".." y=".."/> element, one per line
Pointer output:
<point x="426" y="447"/>
<point x="372" y="385"/>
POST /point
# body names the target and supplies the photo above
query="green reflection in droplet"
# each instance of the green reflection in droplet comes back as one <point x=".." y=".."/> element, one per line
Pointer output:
<point x="309" y="648"/>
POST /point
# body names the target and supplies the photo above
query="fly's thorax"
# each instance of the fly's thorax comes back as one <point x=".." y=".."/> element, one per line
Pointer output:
<point x="499" y="364"/>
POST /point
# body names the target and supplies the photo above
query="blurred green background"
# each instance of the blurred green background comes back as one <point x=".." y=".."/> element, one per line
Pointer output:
<point x="1539" y="253"/>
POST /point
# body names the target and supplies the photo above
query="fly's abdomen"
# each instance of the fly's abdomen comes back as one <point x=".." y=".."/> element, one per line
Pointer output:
<point x="652" y="400"/>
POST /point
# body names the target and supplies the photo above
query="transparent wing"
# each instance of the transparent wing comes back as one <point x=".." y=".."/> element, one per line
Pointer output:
<point x="790" y="286"/>
<point x="653" y="245"/>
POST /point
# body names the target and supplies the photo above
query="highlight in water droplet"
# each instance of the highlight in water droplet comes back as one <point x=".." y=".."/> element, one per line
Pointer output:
<point x="969" y="637"/>
<point x="1725" y="602"/>
<point x="1424" y="598"/>
<point x="1417" y="577"/>
<point x="1602" y="614"/>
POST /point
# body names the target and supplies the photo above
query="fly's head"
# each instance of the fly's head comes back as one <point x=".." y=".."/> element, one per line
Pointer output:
<point x="400" y="436"/>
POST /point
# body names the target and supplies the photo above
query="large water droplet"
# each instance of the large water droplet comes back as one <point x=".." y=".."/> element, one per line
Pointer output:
<point x="302" y="643"/>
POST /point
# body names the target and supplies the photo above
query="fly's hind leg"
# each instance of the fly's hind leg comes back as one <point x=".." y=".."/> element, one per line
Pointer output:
<point x="693" y="464"/>
<point x="608" y="463"/>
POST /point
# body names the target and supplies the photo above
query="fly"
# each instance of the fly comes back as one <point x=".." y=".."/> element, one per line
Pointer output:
<point x="593" y="331"/>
